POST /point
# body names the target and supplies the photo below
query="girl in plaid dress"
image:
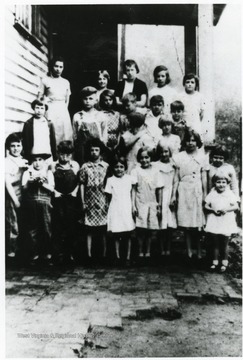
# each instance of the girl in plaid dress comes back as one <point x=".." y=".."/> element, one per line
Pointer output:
<point x="92" y="178"/>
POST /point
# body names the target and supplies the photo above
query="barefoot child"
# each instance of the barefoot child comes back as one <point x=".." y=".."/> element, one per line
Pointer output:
<point x="120" y="220"/>
<point x="220" y="203"/>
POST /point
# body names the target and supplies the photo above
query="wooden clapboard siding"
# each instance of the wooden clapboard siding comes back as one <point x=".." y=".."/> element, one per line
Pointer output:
<point x="25" y="64"/>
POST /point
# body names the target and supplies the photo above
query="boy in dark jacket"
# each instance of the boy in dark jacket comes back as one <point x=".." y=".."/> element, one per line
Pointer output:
<point x="39" y="133"/>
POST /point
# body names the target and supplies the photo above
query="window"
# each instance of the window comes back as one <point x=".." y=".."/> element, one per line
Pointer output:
<point x="28" y="22"/>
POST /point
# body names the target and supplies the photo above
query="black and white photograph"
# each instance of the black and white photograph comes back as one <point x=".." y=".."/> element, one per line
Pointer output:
<point x="122" y="175"/>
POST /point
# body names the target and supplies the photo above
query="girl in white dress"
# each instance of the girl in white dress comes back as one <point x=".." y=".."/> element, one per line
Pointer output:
<point x="56" y="91"/>
<point x="221" y="203"/>
<point x="166" y="167"/>
<point x="190" y="189"/>
<point x="120" y="220"/>
<point x="147" y="200"/>
<point x="194" y="103"/>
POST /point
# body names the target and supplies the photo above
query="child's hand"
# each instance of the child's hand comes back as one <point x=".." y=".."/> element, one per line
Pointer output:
<point x="217" y="212"/>
<point x="222" y="211"/>
<point x="173" y="204"/>
<point x="41" y="180"/>
<point x="57" y="194"/>
<point x="17" y="204"/>
<point x="84" y="206"/>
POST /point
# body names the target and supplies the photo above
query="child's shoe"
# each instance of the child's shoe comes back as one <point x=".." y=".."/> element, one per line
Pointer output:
<point x="214" y="265"/>
<point x="224" y="266"/>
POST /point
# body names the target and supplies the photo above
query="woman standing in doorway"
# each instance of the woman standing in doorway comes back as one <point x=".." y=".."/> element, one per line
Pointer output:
<point x="56" y="91"/>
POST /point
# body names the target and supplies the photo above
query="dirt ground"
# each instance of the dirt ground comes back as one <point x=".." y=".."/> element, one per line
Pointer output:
<point x="203" y="330"/>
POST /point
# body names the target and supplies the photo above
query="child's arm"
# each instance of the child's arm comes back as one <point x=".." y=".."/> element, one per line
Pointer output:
<point x="134" y="208"/>
<point x="208" y="207"/>
<point x="175" y="185"/>
<point x="11" y="191"/>
<point x="82" y="188"/>
<point x="143" y="101"/>
<point x="232" y="207"/>
<point x="204" y="183"/>
<point x="159" y="192"/>
<point x="108" y="197"/>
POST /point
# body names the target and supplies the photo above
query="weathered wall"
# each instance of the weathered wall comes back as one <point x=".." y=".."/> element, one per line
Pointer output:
<point x="24" y="65"/>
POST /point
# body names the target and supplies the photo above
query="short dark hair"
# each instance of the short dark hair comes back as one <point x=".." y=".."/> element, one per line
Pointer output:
<point x="40" y="102"/>
<point x="65" y="147"/>
<point x="191" y="76"/>
<point x="221" y="151"/>
<point x="118" y="159"/>
<point x="188" y="134"/>
<point x="177" y="105"/>
<point x="14" y="137"/>
<point x="55" y="59"/>
<point x="142" y="149"/>
<point x="130" y="63"/>
<point x="94" y="142"/>
<point x="156" y="99"/>
<point x="160" y="68"/>
<point x="136" y="119"/>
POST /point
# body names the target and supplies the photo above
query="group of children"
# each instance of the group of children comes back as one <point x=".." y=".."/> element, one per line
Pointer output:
<point x="129" y="171"/>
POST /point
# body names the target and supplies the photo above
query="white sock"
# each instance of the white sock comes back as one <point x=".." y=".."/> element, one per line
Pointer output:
<point x="225" y="262"/>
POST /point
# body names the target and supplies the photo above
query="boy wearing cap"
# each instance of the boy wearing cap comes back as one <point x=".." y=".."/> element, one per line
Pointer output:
<point x="38" y="186"/>
<point x="88" y="123"/>
<point x="39" y="133"/>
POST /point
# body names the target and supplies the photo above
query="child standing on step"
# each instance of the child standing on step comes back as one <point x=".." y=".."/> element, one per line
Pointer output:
<point x="120" y="219"/>
<point x="92" y="178"/>
<point x="220" y="203"/>
<point x="147" y="200"/>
